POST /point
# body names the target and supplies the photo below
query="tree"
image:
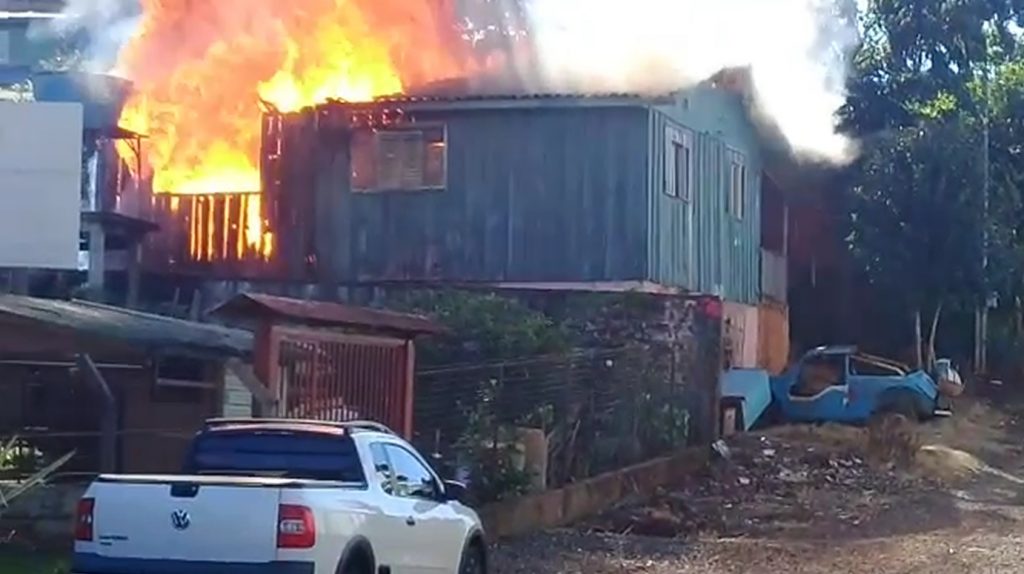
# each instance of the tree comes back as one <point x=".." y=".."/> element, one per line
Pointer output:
<point x="919" y="58"/>
<point x="917" y="218"/>
<point x="928" y="79"/>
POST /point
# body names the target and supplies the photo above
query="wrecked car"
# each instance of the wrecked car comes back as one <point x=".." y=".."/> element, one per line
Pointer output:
<point x="841" y="384"/>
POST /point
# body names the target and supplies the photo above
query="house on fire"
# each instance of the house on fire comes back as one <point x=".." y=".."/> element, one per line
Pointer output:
<point x="673" y="193"/>
<point x="605" y="192"/>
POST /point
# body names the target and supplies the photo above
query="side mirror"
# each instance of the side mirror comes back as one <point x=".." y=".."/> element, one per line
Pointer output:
<point x="454" y="491"/>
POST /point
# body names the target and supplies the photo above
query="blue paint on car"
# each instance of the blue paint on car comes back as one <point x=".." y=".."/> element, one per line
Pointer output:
<point x="863" y="386"/>
<point x="749" y="388"/>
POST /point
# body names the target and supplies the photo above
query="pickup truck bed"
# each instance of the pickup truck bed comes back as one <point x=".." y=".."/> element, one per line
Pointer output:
<point x="272" y="498"/>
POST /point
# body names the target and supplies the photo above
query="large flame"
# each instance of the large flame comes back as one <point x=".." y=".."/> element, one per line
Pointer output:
<point x="201" y="67"/>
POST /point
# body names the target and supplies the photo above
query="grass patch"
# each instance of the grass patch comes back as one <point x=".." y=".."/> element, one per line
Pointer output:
<point x="24" y="562"/>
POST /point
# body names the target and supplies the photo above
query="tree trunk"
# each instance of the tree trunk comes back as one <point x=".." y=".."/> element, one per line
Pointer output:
<point x="932" y="336"/>
<point x="918" y="344"/>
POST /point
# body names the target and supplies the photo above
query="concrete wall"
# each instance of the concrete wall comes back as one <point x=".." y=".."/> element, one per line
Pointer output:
<point x="44" y="516"/>
<point x="564" y="506"/>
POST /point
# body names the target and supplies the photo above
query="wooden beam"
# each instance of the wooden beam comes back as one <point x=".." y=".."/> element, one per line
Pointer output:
<point x="108" y="416"/>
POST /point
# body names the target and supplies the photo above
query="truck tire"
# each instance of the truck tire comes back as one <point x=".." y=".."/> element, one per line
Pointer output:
<point x="899" y="403"/>
<point x="473" y="560"/>
<point x="358" y="561"/>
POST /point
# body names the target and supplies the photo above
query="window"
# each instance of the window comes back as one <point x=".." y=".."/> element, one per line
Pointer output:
<point x="818" y="374"/>
<point x="381" y="467"/>
<point x="411" y="477"/>
<point x="737" y="200"/>
<point x="276" y="453"/>
<point x="181" y="380"/>
<point x="678" y="163"/>
<point x="399" y="159"/>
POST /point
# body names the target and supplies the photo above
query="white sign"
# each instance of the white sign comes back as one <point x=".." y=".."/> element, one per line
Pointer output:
<point x="40" y="184"/>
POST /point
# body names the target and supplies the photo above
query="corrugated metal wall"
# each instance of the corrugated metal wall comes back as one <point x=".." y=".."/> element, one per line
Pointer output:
<point x="726" y="249"/>
<point x="552" y="194"/>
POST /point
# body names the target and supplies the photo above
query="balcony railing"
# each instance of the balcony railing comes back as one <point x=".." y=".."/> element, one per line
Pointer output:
<point x="774" y="284"/>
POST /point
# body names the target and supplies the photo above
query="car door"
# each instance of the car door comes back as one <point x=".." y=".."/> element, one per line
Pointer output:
<point x="436" y="530"/>
<point x="393" y="538"/>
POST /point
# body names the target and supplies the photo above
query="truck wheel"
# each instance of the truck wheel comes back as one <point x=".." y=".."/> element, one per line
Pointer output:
<point x="472" y="561"/>
<point x="359" y="563"/>
<point x="899" y="404"/>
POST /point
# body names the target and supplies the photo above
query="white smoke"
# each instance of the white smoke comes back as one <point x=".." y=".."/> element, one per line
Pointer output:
<point x="797" y="50"/>
<point x="107" y="24"/>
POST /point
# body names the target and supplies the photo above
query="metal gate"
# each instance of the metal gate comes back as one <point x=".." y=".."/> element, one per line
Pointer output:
<point x="338" y="377"/>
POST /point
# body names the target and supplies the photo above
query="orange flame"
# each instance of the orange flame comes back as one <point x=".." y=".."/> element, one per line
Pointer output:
<point x="201" y="67"/>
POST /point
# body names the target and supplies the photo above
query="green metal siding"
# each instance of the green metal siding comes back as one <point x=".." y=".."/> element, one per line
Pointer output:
<point x="545" y="195"/>
<point x="726" y="249"/>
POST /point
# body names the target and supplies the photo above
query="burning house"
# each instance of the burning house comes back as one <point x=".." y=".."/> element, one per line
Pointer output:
<point x="667" y="193"/>
<point x="381" y="160"/>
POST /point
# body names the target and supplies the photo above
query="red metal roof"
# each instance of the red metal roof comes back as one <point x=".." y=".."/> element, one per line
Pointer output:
<point x="326" y="314"/>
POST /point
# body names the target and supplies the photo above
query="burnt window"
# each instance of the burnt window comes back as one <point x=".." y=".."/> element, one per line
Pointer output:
<point x="678" y="163"/>
<point x="397" y="159"/>
<point x="181" y="380"/>
<point x="736" y="202"/>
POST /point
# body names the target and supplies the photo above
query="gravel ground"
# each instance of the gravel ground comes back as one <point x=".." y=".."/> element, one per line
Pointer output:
<point x="808" y="501"/>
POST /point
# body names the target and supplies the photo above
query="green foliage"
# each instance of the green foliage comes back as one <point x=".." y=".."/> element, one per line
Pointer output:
<point x="920" y="58"/>
<point x="483" y="327"/>
<point x="22" y="561"/>
<point x="488" y="449"/>
<point x="933" y="196"/>
<point x="917" y="214"/>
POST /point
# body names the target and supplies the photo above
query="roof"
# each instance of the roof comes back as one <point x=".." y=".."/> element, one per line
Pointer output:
<point x="154" y="333"/>
<point x="119" y="221"/>
<point x="325" y="314"/>
<point x="498" y="101"/>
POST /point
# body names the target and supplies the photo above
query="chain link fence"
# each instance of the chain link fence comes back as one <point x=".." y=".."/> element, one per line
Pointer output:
<point x="514" y="426"/>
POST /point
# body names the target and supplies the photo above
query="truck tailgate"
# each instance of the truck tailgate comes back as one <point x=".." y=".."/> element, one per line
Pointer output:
<point x="210" y="519"/>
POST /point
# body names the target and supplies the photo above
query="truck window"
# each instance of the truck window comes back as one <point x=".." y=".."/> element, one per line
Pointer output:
<point x="412" y="478"/>
<point x="277" y="453"/>
<point x="382" y="467"/>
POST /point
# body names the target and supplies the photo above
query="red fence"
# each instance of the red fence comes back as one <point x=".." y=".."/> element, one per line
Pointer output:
<point x="339" y="376"/>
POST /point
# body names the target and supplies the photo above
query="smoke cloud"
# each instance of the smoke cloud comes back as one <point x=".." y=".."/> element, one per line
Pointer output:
<point x="797" y="50"/>
<point x="108" y="25"/>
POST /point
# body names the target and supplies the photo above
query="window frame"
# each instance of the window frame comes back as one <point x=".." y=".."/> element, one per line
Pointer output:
<point x="392" y="479"/>
<point x="407" y="127"/>
<point x="738" y="184"/>
<point x="678" y="141"/>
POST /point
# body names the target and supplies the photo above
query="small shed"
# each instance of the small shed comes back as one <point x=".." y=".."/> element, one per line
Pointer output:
<point x="125" y="389"/>
<point x="330" y="361"/>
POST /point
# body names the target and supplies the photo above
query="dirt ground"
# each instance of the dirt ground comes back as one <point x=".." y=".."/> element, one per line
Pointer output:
<point x="943" y="497"/>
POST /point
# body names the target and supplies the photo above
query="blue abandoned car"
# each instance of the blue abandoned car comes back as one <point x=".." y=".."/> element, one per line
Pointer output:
<point x="839" y="384"/>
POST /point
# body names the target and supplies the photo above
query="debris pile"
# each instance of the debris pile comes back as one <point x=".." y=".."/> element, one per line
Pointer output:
<point x="764" y="484"/>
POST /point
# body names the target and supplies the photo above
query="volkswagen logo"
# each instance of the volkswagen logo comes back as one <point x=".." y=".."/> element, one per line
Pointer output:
<point x="180" y="519"/>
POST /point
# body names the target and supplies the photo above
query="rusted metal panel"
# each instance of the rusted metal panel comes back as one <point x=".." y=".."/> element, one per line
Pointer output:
<point x="339" y="377"/>
<point x="530" y="195"/>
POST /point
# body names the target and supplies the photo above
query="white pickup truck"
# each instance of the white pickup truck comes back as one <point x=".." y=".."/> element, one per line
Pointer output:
<point x="282" y="497"/>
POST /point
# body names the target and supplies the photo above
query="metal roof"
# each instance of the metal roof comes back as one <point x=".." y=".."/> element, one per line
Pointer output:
<point x="426" y="101"/>
<point x="154" y="333"/>
<point x="325" y="314"/>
